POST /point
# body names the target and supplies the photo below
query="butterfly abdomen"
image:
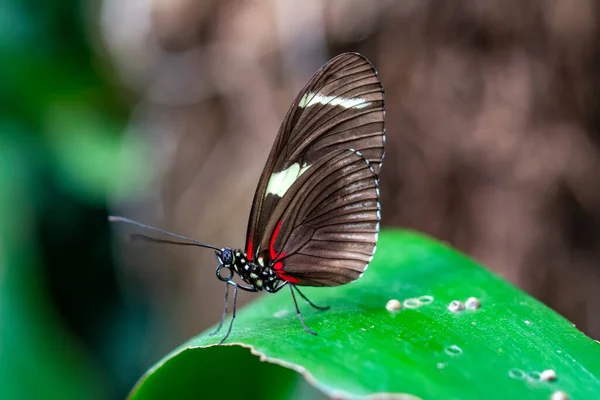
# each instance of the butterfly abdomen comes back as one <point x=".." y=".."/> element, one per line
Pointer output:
<point x="259" y="276"/>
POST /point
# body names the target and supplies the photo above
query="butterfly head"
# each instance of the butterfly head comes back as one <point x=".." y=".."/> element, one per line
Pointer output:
<point x="225" y="257"/>
<point x="226" y="261"/>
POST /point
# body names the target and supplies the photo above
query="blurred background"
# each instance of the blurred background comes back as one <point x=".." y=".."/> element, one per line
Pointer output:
<point x="164" y="111"/>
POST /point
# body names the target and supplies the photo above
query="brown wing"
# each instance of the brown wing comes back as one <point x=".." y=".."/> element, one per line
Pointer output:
<point x="324" y="231"/>
<point x="341" y="107"/>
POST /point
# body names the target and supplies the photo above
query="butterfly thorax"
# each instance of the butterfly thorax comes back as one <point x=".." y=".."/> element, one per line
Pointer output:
<point x="259" y="276"/>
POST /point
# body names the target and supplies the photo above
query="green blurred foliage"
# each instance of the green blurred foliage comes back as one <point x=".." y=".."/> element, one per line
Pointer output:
<point x="38" y="357"/>
<point x="61" y="156"/>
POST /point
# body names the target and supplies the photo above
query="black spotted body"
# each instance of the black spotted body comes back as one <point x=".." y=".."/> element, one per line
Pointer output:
<point x="261" y="277"/>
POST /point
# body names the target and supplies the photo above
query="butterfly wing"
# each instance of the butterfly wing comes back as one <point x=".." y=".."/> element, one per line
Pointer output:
<point x="324" y="230"/>
<point x="340" y="108"/>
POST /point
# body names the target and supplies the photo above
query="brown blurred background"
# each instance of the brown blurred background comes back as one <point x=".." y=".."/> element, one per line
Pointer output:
<point x="492" y="127"/>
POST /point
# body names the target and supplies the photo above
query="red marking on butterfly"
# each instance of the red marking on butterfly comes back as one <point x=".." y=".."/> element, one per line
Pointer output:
<point x="272" y="251"/>
<point x="249" y="254"/>
<point x="278" y="270"/>
<point x="278" y="266"/>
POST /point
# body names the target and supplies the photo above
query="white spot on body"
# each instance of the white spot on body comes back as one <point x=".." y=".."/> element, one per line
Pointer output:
<point x="259" y="283"/>
<point x="246" y="267"/>
<point x="261" y="262"/>
<point x="456" y="306"/>
<point x="253" y="275"/>
<point x="548" y="375"/>
<point x="280" y="182"/>
<point x="393" y="305"/>
<point x="472" y="303"/>
<point x="311" y="99"/>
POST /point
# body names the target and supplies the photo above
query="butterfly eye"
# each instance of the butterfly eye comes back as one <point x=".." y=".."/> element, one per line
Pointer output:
<point x="226" y="256"/>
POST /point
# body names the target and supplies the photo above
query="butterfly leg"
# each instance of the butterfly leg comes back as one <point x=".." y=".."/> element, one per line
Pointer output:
<point x="235" y="288"/>
<point x="322" y="308"/>
<point x="299" y="313"/>
<point x="224" y="312"/>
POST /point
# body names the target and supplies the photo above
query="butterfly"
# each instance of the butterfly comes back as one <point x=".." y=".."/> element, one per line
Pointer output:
<point x="315" y="216"/>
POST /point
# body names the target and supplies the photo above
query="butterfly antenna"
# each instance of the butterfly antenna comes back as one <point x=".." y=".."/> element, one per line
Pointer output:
<point x="190" y="241"/>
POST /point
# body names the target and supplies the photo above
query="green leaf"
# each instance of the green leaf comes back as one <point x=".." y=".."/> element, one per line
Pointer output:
<point x="423" y="350"/>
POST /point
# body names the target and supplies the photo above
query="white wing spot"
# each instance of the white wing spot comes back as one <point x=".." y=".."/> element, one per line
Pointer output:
<point x="310" y="99"/>
<point x="280" y="182"/>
